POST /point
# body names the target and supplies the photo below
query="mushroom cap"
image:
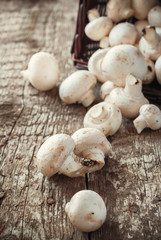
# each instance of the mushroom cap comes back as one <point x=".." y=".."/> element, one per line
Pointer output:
<point x="123" y="33"/>
<point x="152" y="115"/>
<point x="43" y="71"/>
<point x="53" y="153"/>
<point x="86" y="210"/>
<point x="140" y="25"/>
<point x="75" y="87"/>
<point x="121" y="60"/>
<point x="154" y="16"/>
<point x="158" y="69"/>
<point x="142" y="7"/>
<point x="90" y="138"/>
<point x="98" y="28"/>
<point x="106" y="117"/>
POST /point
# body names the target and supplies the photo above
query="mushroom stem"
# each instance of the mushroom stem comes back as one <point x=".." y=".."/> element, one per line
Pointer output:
<point x="132" y="86"/>
<point x="94" y="154"/>
<point x="140" y="124"/>
<point x="87" y="98"/>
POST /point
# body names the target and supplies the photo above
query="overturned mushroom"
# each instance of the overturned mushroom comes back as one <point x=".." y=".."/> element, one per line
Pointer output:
<point x="158" y="69"/>
<point x="118" y="10"/>
<point x="78" y="87"/>
<point x="90" y="143"/>
<point x="150" y="43"/>
<point x="123" y="33"/>
<point x="128" y="99"/>
<point x="150" y="117"/>
<point x="53" y="152"/>
<point x="106" y="117"/>
<point x="98" y="28"/>
<point x="86" y="210"/>
<point x="154" y="16"/>
<point x="43" y="71"/>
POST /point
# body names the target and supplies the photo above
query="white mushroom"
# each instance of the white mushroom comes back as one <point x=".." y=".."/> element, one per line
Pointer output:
<point x="128" y="99"/>
<point x="118" y="10"/>
<point x="78" y="87"/>
<point x="154" y="16"/>
<point x="140" y="25"/>
<point x="104" y="42"/>
<point x="150" y="117"/>
<point x="121" y="60"/>
<point x="106" y="117"/>
<point x="150" y="43"/>
<point x="90" y="143"/>
<point x="53" y="152"/>
<point x="86" y="210"/>
<point x="95" y="64"/>
<point x="158" y="69"/>
<point x="123" y="33"/>
<point x="43" y="71"/>
<point x="142" y="7"/>
<point x="93" y="14"/>
<point x="98" y="28"/>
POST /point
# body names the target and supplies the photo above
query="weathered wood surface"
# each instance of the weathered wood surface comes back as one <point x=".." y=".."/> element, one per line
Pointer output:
<point x="32" y="206"/>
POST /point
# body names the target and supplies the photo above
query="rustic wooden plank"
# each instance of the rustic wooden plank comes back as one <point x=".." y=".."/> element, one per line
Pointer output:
<point x="33" y="206"/>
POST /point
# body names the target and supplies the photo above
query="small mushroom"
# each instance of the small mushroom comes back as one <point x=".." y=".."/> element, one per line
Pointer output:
<point x="158" y="69"/>
<point x="78" y="87"/>
<point x="123" y="33"/>
<point x="150" y="117"/>
<point x="150" y="43"/>
<point x="98" y="28"/>
<point x="118" y="10"/>
<point x="106" y="117"/>
<point x="142" y="7"/>
<point x="92" y="144"/>
<point x="93" y="14"/>
<point x="106" y="88"/>
<point x="154" y="16"/>
<point x="95" y="64"/>
<point x="53" y="152"/>
<point x="128" y="99"/>
<point x="86" y="210"/>
<point x="121" y="60"/>
<point x="104" y="42"/>
<point x="43" y="71"/>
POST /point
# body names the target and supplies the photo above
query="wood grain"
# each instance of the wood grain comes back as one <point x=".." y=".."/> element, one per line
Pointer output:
<point x="32" y="206"/>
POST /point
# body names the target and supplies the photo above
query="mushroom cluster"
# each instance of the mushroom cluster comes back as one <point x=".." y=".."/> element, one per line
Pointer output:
<point x="129" y="56"/>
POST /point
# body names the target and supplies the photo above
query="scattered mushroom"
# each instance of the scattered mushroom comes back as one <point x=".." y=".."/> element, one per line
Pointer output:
<point x="92" y="144"/>
<point x="150" y="117"/>
<point x="142" y="7"/>
<point x="53" y="152"/>
<point x="86" y="210"/>
<point x="118" y="10"/>
<point x="93" y="14"/>
<point x="123" y="33"/>
<point x="121" y="60"/>
<point x="95" y="64"/>
<point x="128" y="99"/>
<point x="43" y="71"/>
<point x="106" y="117"/>
<point x="78" y="87"/>
<point x="150" y="43"/>
<point x="98" y="28"/>
<point x="158" y="69"/>
<point x="154" y="16"/>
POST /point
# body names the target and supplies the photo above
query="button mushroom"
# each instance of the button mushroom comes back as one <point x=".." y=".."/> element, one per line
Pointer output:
<point x="158" y="69"/>
<point x="118" y="10"/>
<point x="78" y="88"/>
<point x="106" y="117"/>
<point x="98" y="28"/>
<point x="123" y="33"/>
<point x="140" y="25"/>
<point x="150" y="43"/>
<point x="142" y="7"/>
<point x="86" y="210"/>
<point x="154" y="16"/>
<point x="43" y="71"/>
<point x="128" y="99"/>
<point x="93" y="14"/>
<point x="150" y="117"/>
<point x="53" y="152"/>
<point x="90" y="143"/>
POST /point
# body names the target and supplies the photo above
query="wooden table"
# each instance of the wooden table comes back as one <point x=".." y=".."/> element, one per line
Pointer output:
<point x="32" y="206"/>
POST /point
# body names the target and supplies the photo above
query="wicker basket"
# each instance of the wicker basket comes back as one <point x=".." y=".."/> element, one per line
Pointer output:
<point x="83" y="47"/>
